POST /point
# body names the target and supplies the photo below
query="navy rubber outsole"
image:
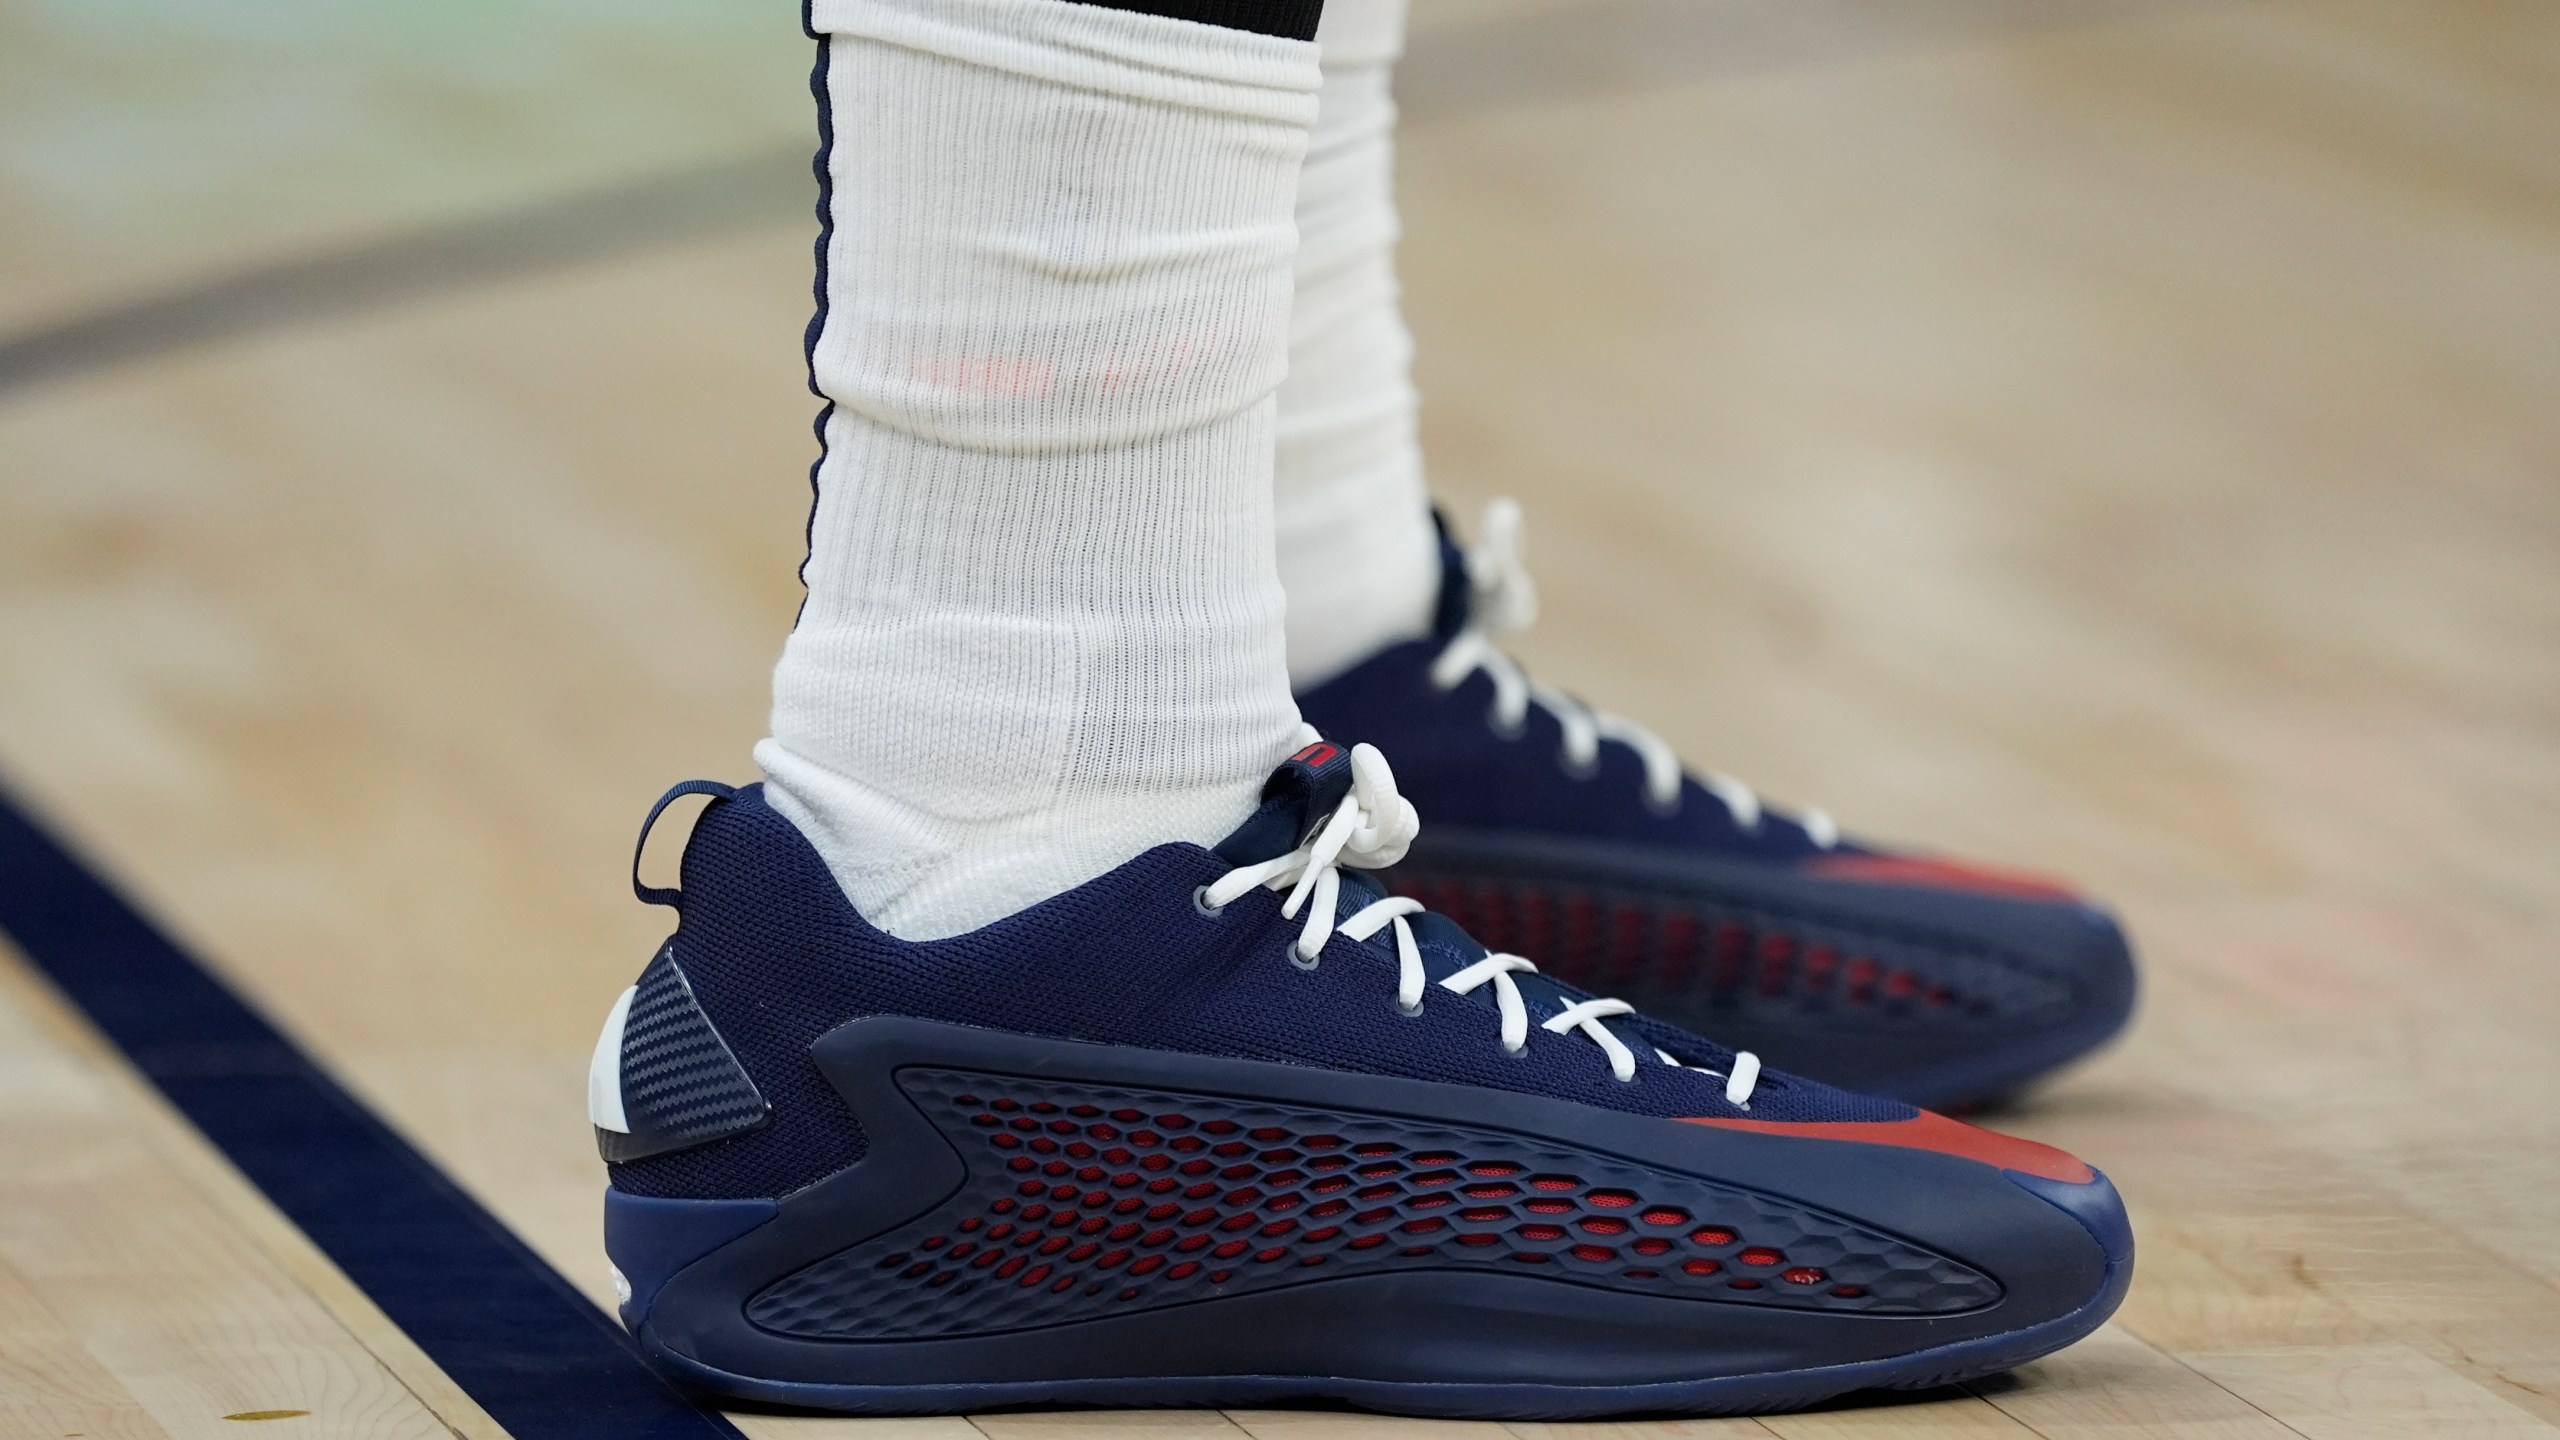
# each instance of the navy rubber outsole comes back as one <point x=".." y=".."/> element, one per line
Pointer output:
<point x="1996" y="1076"/>
<point x="709" y="1302"/>
<point x="1718" y="1395"/>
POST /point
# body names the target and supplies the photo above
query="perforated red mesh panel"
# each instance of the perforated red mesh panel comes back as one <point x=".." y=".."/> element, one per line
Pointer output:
<point x="1082" y="1199"/>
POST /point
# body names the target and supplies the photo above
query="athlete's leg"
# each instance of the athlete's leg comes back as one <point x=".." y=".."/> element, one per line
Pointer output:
<point x="1357" y="553"/>
<point x="1043" y="629"/>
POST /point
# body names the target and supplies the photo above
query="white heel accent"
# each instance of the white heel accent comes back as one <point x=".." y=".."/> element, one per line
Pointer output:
<point x="604" y="1072"/>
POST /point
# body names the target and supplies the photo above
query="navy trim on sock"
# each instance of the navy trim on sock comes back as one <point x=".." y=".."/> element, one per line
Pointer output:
<point x="821" y="164"/>
<point x="1288" y="19"/>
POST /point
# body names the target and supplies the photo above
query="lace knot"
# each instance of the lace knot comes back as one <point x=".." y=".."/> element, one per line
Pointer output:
<point x="1370" y="829"/>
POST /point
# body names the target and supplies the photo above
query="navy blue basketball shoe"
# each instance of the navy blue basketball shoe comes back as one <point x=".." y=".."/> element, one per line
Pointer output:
<point x="1232" y="1126"/>
<point x="1573" y="837"/>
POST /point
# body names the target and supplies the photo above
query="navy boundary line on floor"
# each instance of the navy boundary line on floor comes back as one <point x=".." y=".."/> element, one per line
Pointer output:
<point x="515" y="1336"/>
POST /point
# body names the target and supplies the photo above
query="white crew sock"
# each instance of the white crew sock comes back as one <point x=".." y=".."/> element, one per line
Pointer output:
<point x="1043" y="630"/>
<point x="1358" y="555"/>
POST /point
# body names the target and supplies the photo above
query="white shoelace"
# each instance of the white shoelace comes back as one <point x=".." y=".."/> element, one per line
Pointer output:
<point x="1369" y="830"/>
<point x="1506" y="603"/>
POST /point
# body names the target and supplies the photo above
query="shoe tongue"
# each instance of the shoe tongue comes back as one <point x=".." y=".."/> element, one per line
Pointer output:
<point x="1301" y="795"/>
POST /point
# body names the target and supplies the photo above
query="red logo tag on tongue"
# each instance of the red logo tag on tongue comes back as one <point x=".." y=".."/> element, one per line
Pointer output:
<point x="1317" y="756"/>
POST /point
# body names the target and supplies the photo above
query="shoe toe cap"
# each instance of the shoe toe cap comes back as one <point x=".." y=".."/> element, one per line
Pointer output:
<point x="2055" y="969"/>
<point x="2092" y="1202"/>
<point x="2046" y="1227"/>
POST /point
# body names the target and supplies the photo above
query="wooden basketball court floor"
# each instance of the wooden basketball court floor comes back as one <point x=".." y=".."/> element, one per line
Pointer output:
<point x="2114" y="436"/>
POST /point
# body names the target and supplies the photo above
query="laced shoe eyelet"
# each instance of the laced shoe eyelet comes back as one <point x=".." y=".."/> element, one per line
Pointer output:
<point x="1412" y="1012"/>
<point x="1664" y="808"/>
<point x="1512" y="731"/>
<point x="1583" y="771"/>
<point x="1305" y="962"/>
<point x="1200" y="902"/>
<point x="1520" y="1054"/>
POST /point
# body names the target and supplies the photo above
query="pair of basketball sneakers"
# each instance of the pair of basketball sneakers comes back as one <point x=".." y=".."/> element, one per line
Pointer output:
<point x="1333" y="1109"/>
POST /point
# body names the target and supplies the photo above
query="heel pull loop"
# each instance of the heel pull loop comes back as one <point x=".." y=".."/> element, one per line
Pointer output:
<point x="669" y="895"/>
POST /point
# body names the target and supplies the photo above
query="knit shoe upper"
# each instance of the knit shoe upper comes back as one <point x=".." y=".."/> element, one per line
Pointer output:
<point x="774" y="954"/>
